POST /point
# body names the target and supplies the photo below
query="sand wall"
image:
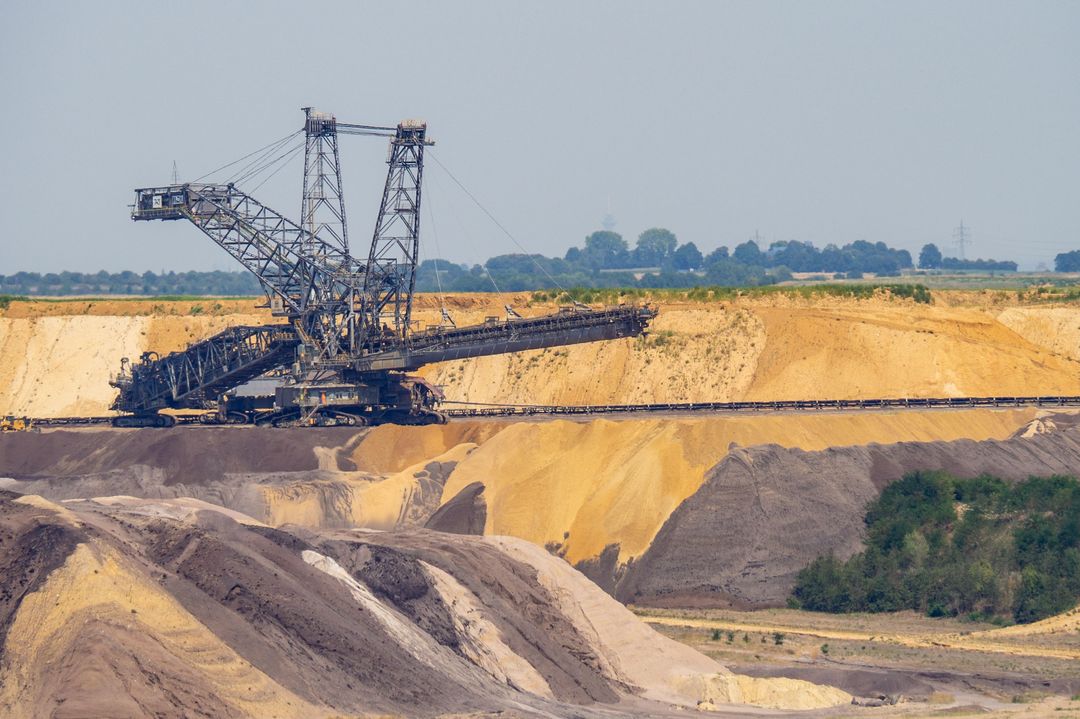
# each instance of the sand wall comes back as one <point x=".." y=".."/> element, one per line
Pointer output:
<point x="758" y="350"/>
<point x="60" y="365"/>
<point x="58" y="356"/>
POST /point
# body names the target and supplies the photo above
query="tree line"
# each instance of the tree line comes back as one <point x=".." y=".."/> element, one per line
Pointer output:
<point x="930" y="258"/>
<point x="659" y="260"/>
<point x="980" y="547"/>
<point x="604" y="260"/>
<point x="224" y="284"/>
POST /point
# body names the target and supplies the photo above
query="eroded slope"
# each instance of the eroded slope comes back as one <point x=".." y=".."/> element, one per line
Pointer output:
<point x="160" y="607"/>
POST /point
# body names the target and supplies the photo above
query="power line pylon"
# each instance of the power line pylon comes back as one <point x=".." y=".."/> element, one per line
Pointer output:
<point x="961" y="236"/>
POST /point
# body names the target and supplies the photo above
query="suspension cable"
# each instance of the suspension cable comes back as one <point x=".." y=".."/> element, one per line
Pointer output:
<point x="435" y="259"/>
<point x="258" y="160"/>
<point x="264" y="166"/>
<point x="294" y="153"/>
<point x="464" y="232"/>
<point x="496" y="221"/>
<point x="261" y="149"/>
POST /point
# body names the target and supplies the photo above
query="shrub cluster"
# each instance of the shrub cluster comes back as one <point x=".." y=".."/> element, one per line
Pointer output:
<point x="217" y="283"/>
<point x="945" y="546"/>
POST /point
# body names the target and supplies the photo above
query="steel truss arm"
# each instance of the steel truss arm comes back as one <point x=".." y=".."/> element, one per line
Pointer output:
<point x="195" y="377"/>
<point x="322" y="212"/>
<point x="319" y="289"/>
<point x="563" y="328"/>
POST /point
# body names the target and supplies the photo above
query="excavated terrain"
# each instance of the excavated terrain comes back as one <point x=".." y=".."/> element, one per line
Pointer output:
<point x="753" y="348"/>
<point x="126" y="607"/>
<point x="718" y="511"/>
<point x="766" y="512"/>
<point x="235" y="571"/>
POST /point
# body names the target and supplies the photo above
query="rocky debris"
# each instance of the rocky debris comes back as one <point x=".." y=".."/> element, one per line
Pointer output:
<point x="879" y="700"/>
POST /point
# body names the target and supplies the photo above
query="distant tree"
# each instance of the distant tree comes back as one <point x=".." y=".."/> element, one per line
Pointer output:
<point x="1067" y="262"/>
<point x="730" y="273"/>
<point x="799" y="256"/>
<point x="654" y="247"/>
<point x="687" y="257"/>
<point x="604" y="248"/>
<point x="930" y="257"/>
<point x="748" y="253"/>
<point x="720" y="253"/>
<point x="1013" y="550"/>
<point x="833" y="259"/>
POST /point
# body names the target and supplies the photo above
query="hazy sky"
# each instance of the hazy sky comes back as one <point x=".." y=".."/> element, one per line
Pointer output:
<point x="819" y="121"/>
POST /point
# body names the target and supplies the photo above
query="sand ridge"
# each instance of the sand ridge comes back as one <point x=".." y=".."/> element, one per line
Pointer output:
<point x="581" y="488"/>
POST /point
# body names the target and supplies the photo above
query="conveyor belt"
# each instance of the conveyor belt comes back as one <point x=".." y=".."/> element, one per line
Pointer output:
<point x="475" y="409"/>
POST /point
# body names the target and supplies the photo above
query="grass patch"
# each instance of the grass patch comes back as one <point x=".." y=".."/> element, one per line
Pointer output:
<point x="6" y="300"/>
<point x="587" y="295"/>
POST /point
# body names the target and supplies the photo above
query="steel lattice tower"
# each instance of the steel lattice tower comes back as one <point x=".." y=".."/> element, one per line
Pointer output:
<point x="323" y="208"/>
<point x="391" y="269"/>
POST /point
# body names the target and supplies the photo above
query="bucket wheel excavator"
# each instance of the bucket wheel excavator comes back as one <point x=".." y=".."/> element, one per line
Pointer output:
<point x="346" y="342"/>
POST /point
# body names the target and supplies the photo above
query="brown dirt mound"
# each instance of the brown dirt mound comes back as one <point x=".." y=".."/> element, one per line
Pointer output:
<point x="31" y="549"/>
<point x="191" y="456"/>
<point x="616" y="482"/>
<point x="586" y="485"/>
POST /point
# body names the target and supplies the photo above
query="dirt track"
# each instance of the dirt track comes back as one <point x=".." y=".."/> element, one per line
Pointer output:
<point x="983" y="641"/>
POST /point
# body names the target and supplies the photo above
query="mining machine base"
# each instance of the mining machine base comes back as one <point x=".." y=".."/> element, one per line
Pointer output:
<point x="385" y="398"/>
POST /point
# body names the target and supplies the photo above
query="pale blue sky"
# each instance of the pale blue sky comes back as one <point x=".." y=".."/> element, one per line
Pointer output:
<point x="819" y="121"/>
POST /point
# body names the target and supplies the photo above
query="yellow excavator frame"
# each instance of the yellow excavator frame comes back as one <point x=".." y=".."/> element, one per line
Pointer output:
<point x="11" y="423"/>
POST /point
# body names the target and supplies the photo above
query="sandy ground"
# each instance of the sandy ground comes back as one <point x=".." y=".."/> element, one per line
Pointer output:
<point x="764" y="349"/>
<point x="578" y="488"/>
<point x="1027" y="670"/>
<point x="60" y="365"/>
<point x="981" y="641"/>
